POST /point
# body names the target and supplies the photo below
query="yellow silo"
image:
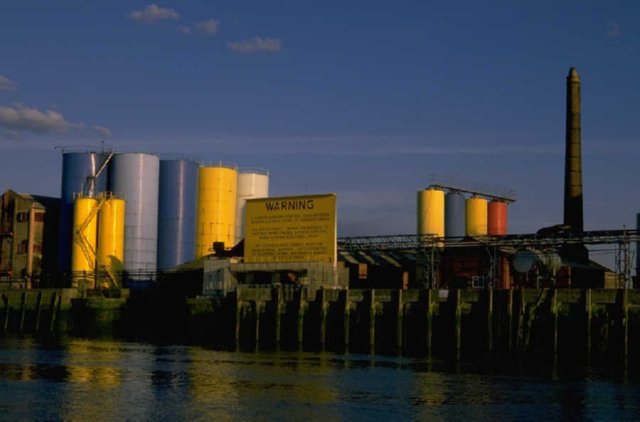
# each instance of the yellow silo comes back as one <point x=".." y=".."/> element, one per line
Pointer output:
<point x="431" y="212"/>
<point x="83" y="249"/>
<point x="216" y="212"/>
<point x="111" y="238"/>
<point x="476" y="216"/>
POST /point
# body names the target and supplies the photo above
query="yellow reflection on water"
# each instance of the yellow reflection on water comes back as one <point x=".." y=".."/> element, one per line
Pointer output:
<point x="90" y="362"/>
<point x="229" y="378"/>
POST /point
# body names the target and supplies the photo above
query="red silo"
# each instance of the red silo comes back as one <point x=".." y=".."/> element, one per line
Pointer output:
<point x="497" y="218"/>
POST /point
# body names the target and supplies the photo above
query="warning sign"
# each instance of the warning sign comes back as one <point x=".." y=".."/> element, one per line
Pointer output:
<point x="291" y="229"/>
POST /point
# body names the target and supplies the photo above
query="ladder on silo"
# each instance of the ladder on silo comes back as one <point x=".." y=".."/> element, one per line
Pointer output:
<point x="88" y="249"/>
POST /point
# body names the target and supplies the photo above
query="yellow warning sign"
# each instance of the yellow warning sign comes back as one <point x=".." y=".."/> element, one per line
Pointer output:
<point x="291" y="229"/>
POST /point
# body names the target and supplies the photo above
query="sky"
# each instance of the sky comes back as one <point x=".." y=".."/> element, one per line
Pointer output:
<point x="366" y="99"/>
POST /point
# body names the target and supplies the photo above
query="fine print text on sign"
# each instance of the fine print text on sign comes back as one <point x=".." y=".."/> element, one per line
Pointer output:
<point x="291" y="229"/>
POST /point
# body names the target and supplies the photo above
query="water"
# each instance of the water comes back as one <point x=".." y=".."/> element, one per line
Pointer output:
<point x="101" y="380"/>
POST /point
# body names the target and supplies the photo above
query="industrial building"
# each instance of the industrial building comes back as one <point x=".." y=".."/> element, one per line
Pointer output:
<point x="29" y="233"/>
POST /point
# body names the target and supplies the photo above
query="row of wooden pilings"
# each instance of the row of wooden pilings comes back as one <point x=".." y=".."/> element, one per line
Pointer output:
<point x="30" y="310"/>
<point x="589" y="324"/>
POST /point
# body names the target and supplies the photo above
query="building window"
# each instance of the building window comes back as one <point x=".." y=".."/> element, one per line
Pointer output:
<point x="37" y="248"/>
<point x="22" y="217"/>
<point x="23" y="246"/>
<point x="39" y="216"/>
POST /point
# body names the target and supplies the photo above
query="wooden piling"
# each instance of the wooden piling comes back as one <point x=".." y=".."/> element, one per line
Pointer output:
<point x="400" y="311"/>
<point x="277" y="299"/>
<point x="324" y="310"/>
<point x="300" y="315"/>
<point x="489" y="328"/>
<point x="429" y="317"/>
<point x="346" y="312"/>
<point x="38" y="310"/>
<point x="520" y="320"/>
<point x="587" y="328"/>
<point x="258" y="311"/>
<point x="238" y="310"/>
<point x="55" y="303"/>
<point x="457" y="333"/>
<point x="7" y="311"/>
<point x="624" y="316"/>
<point x="372" y="320"/>
<point x="510" y="321"/>
<point x="23" y="309"/>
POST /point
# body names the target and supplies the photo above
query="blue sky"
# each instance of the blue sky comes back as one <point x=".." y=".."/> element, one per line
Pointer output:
<point x="363" y="98"/>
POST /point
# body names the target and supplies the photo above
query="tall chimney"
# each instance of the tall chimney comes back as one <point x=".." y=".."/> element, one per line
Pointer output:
<point x="573" y="213"/>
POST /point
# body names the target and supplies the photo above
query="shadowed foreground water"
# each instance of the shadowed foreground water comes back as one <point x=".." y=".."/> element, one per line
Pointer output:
<point x="100" y="380"/>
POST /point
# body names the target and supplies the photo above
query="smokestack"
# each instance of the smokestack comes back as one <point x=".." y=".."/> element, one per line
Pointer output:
<point x="573" y="213"/>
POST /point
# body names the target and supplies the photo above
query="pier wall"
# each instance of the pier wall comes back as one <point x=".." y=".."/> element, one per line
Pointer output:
<point x="587" y="325"/>
<point x="593" y="325"/>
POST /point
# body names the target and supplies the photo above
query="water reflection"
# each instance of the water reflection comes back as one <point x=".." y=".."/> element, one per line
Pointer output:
<point x="87" y="380"/>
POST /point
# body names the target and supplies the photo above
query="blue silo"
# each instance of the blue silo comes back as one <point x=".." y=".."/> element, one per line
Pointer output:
<point x="454" y="211"/>
<point x="135" y="177"/>
<point x="83" y="173"/>
<point x="177" y="212"/>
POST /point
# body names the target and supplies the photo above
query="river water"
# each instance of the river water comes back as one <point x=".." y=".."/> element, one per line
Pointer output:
<point x="83" y="380"/>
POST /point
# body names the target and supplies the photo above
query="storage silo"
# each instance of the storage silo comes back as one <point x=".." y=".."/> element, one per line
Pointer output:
<point x="497" y="221"/>
<point x="177" y="212"/>
<point x="135" y="177"/>
<point x="85" y="174"/>
<point x="454" y="214"/>
<point x="216" y="212"/>
<point x="251" y="184"/>
<point x="431" y="212"/>
<point x="83" y="250"/>
<point x="111" y="218"/>
<point x="476" y="216"/>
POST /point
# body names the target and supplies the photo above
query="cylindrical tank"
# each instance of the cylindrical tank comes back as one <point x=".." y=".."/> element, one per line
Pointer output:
<point x="497" y="218"/>
<point x="83" y="173"/>
<point x="85" y="225"/>
<point x="454" y="214"/>
<point x="177" y="212"/>
<point x="476" y="216"/>
<point x="431" y="212"/>
<point x="251" y="184"/>
<point x="111" y="237"/>
<point x="216" y="212"/>
<point x="135" y="178"/>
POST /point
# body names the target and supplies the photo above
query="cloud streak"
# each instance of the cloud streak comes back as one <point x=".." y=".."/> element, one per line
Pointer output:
<point x="614" y="30"/>
<point x="208" y="27"/>
<point x="7" y="84"/>
<point x="152" y="14"/>
<point x="255" y="45"/>
<point x="24" y="118"/>
<point x="103" y="132"/>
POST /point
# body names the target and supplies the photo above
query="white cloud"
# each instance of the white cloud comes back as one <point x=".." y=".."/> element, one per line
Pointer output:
<point x="152" y="14"/>
<point x="255" y="45"/>
<point x="208" y="27"/>
<point x="103" y="131"/>
<point x="6" y="84"/>
<point x="184" y="30"/>
<point x="614" y="30"/>
<point x="24" y="118"/>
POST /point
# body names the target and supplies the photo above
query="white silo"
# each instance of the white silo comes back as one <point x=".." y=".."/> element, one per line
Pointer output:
<point x="251" y="184"/>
